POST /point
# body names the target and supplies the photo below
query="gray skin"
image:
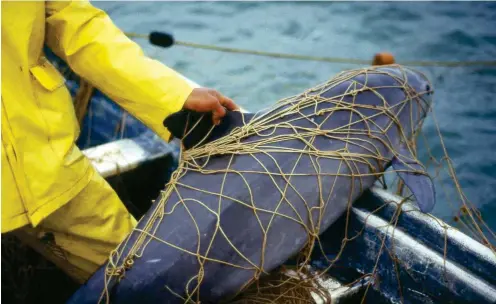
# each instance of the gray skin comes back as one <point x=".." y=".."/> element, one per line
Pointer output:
<point x="161" y="265"/>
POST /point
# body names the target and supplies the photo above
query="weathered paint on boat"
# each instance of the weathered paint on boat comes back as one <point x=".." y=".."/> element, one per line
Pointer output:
<point x="421" y="259"/>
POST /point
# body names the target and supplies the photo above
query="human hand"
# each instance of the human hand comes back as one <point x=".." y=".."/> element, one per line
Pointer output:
<point x="209" y="100"/>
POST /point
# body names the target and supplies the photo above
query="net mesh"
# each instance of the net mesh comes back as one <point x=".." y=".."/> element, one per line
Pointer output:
<point x="365" y="147"/>
<point x="294" y="127"/>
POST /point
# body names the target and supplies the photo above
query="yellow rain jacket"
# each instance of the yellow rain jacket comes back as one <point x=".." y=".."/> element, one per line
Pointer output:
<point x="42" y="169"/>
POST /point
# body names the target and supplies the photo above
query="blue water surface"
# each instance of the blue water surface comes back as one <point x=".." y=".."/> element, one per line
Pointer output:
<point x="465" y="107"/>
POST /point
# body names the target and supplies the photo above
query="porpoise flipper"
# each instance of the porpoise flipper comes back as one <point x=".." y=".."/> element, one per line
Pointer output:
<point x="413" y="174"/>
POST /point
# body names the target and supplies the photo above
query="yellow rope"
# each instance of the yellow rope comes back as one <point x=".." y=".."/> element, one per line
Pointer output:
<point x="318" y="58"/>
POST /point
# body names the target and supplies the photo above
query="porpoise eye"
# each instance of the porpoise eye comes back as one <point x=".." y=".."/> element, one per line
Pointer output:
<point x="428" y="89"/>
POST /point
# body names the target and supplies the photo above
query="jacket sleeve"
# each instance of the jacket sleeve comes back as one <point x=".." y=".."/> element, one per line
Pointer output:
<point x="95" y="49"/>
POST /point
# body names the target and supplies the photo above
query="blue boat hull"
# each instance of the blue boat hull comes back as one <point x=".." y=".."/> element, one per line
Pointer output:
<point x="418" y="260"/>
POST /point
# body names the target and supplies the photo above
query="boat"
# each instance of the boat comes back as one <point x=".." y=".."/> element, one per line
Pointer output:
<point x="420" y="259"/>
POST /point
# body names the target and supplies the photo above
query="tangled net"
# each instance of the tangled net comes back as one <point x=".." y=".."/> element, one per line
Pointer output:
<point x="294" y="127"/>
<point x="362" y="154"/>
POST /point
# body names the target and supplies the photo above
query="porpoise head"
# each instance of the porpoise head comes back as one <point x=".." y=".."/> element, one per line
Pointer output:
<point x="397" y="100"/>
<point x="419" y="93"/>
<point x="398" y="92"/>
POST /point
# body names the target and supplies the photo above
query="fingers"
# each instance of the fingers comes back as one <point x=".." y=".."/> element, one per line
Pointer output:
<point x="209" y="100"/>
<point x="226" y="102"/>
<point x="222" y="104"/>
<point x="229" y="104"/>
<point x="218" y="112"/>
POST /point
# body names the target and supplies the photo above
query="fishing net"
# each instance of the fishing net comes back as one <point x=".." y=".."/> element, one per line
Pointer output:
<point x="296" y="127"/>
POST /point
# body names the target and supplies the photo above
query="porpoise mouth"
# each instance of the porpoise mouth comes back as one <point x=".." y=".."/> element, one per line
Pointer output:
<point x="425" y="92"/>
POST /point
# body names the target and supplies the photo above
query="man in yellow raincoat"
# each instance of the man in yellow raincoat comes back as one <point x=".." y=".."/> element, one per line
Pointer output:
<point x="47" y="183"/>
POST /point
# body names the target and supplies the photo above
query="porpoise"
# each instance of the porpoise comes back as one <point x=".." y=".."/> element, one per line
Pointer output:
<point x="253" y="191"/>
